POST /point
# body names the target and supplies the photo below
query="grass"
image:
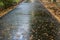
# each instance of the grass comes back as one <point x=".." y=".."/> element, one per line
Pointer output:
<point x="1" y="4"/>
<point x="16" y="1"/>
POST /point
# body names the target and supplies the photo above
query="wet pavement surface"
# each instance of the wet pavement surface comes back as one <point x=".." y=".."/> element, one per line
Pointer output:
<point x="28" y="21"/>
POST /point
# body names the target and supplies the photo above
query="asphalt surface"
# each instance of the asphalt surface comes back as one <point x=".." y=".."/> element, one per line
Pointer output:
<point x="28" y="21"/>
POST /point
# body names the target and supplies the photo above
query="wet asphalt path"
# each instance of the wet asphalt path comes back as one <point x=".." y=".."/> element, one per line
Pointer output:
<point x="28" y="21"/>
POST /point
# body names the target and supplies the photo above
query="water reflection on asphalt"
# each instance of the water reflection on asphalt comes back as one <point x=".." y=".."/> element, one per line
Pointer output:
<point x="16" y="24"/>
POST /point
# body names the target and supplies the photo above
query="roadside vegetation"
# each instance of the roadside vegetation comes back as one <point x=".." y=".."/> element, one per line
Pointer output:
<point x="7" y="3"/>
